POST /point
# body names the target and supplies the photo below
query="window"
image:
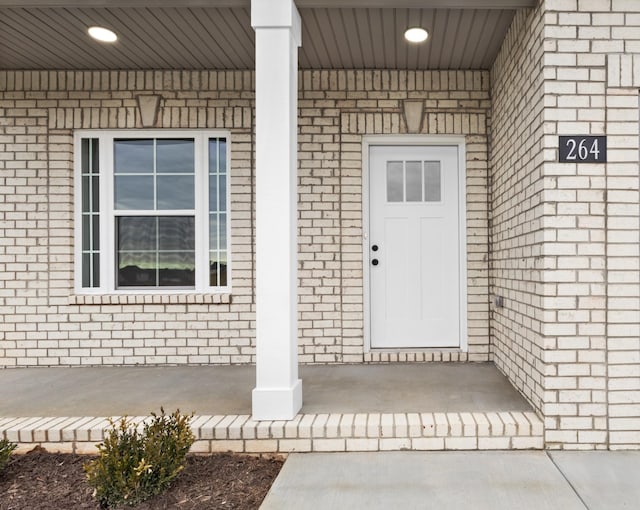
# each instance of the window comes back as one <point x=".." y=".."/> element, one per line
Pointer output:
<point x="151" y="211"/>
<point x="414" y="181"/>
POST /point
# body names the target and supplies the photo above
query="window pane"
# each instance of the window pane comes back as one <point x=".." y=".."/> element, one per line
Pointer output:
<point x="217" y="269"/>
<point x="156" y="251"/>
<point x="86" y="194"/>
<point x="95" y="153"/>
<point x="133" y="156"/>
<point x="177" y="269"/>
<point x="136" y="233"/>
<point x="414" y="181"/>
<point x="175" y="192"/>
<point x="213" y="155"/>
<point x="222" y="146"/>
<point x="176" y="233"/>
<point x="96" y="270"/>
<point x="213" y="269"/>
<point x="218" y="231"/>
<point x="95" y="193"/>
<point x="90" y="194"/>
<point x="222" y="193"/>
<point x="432" y="181"/>
<point x="213" y="193"/>
<point x="217" y="155"/>
<point x="394" y="181"/>
<point x="85" y="156"/>
<point x="223" y="231"/>
<point x="223" y="269"/>
<point x="137" y="269"/>
<point x="134" y="192"/>
<point x="89" y="155"/>
<point x="86" y="270"/>
<point x="86" y="232"/>
<point x="175" y="156"/>
<point x="213" y="231"/>
<point x="95" y="232"/>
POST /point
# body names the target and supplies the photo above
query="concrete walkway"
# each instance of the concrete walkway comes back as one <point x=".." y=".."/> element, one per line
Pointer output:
<point x="458" y="480"/>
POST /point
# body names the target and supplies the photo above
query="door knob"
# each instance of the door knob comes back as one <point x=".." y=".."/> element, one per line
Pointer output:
<point x="375" y="262"/>
<point x="374" y="247"/>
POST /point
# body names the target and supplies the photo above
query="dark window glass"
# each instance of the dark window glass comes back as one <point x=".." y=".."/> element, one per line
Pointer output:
<point x="175" y="192"/>
<point x="156" y="251"/>
<point x="175" y="156"/>
<point x="134" y="192"/>
<point x="133" y="156"/>
<point x="90" y="207"/>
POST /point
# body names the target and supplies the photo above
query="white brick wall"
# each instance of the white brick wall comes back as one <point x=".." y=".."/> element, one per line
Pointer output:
<point x="517" y="208"/>
<point x="574" y="276"/>
<point x="623" y="266"/>
<point x="336" y="109"/>
<point x="46" y="324"/>
<point x="575" y="259"/>
<point x="596" y="367"/>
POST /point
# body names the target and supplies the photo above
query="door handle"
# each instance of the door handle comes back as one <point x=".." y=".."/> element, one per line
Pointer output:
<point x="375" y="262"/>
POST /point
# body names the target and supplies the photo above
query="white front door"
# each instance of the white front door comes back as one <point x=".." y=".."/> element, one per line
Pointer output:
<point x="414" y="247"/>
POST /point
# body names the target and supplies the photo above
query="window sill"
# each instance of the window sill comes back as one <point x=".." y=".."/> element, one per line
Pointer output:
<point x="149" y="299"/>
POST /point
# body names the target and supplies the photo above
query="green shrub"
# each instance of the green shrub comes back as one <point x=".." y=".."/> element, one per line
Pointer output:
<point x="134" y="465"/>
<point x="6" y="448"/>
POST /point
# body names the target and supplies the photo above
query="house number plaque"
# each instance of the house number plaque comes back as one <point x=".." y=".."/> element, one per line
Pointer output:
<point x="583" y="149"/>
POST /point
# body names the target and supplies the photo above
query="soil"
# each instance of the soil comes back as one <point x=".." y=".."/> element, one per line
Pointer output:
<point x="52" y="481"/>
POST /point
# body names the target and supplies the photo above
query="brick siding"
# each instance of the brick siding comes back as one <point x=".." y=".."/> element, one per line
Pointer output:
<point x="46" y="324"/>
<point x="517" y="207"/>
<point x="569" y="339"/>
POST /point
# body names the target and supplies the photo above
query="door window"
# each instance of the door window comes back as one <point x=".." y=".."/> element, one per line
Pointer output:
<point x="414" y="181"/>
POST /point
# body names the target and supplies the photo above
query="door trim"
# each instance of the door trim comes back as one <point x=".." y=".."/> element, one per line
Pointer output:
<point x="416" y="140"/>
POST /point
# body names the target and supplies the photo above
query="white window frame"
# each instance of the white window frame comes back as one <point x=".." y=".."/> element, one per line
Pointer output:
<point x="107" y="213"/>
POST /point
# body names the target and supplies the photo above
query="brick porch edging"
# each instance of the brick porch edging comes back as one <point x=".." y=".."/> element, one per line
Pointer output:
<point x="305" y="433"/>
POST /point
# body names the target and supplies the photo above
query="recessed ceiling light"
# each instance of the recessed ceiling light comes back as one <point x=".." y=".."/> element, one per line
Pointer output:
<point x="102" y="34"/>
<point x="416" y="34"/>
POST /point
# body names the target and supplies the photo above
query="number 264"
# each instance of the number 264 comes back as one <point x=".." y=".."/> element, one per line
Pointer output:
<point x="581" y="150"/>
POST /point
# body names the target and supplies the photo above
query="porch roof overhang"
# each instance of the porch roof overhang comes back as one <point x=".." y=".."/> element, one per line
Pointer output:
<point x="217" y="34"/>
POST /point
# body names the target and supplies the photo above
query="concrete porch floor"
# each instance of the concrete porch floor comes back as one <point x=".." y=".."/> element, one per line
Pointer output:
<point x="430" y="406"/>
<point x="226" y="390"/>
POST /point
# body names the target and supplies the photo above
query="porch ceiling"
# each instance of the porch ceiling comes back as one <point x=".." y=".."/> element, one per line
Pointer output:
<point x="209" y="34"/>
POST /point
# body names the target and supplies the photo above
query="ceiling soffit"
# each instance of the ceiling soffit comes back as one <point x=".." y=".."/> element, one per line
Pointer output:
<point x="52" y="35"/>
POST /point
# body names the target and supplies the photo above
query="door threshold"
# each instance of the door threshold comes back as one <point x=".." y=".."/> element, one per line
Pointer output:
<point x="417" y="349"/>
<point x="420" y="356"/>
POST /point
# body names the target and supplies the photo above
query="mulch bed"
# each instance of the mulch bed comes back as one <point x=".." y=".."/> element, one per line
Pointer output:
<point x="53" y="481"/>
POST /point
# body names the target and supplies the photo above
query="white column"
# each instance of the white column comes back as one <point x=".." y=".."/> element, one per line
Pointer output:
<point x="278" y="391"/>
